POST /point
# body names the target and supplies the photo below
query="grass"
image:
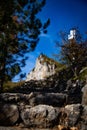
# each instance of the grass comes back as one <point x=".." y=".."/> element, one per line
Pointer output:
<point x="8" y="86"/>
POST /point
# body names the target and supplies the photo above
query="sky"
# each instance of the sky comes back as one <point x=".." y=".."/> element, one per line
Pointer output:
<point x="64" y="15"/>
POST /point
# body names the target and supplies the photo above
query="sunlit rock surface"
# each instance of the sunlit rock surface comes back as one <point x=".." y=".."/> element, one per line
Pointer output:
<point x="44" y="68"/>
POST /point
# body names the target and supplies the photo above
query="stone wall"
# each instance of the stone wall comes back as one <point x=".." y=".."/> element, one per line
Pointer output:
<point x="16" y="110"/>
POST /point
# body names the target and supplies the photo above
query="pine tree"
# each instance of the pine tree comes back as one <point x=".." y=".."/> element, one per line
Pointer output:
<point x="19" y="34"/>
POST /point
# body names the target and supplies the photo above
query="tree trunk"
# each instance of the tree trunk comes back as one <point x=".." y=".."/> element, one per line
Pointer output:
<point x="2" y="78"/>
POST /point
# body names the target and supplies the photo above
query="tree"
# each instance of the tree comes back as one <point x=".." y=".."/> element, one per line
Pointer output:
<point x="73" y="52"/>
<point x="19" y="34"/>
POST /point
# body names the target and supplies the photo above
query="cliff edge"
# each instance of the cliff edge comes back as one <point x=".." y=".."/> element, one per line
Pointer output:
<point x="44" y="68"/>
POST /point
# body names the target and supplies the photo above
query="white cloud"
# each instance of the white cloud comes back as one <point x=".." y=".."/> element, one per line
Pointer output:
<point x="46" y="36"/>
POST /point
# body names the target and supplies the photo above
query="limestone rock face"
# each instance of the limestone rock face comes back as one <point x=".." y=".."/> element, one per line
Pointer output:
<point x="43" y="68"/>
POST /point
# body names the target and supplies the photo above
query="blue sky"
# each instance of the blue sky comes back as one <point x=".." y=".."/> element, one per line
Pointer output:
<point x="63" y="14"/>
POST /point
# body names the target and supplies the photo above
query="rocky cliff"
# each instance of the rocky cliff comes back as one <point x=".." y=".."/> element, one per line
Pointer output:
<point x="44" y="68"/>
<point x="51" y="101"/>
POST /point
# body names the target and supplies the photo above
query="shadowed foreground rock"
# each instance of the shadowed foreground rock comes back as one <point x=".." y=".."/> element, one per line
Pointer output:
<point x="9" y="114"/>
<point x="32" y="99"/>
<point x="73" y="114"/>
<point x="41" y="116"/>
<point x="84" y="97"/>
<point x="19" y="128"/>
<point x="43" y="110"/>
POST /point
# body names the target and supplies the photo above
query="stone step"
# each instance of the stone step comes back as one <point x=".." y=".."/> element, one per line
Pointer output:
<point x="35" y="98"/>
